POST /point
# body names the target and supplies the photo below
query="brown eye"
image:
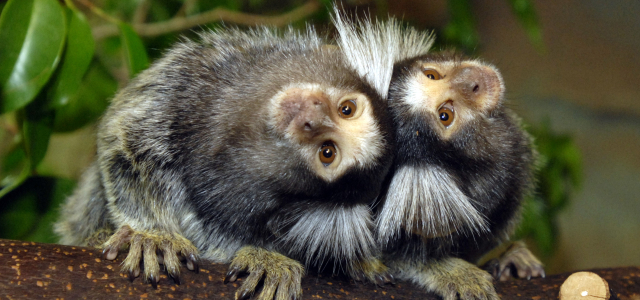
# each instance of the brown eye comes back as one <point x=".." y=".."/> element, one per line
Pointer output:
<point x="327" y="153"/>
<point x="431" y="74"/>
<point x="446" y="116"/>
<point x="347" y="109"/>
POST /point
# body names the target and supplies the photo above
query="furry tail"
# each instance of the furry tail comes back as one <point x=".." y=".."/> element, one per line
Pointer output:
<point x="85" y="212"/>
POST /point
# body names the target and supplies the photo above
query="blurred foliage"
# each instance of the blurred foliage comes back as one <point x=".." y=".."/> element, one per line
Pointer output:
<point x="60" y="63"/>
<point x="559" y="174"/>
<point x="461" y="31"/>
<point x="27" y="212"/>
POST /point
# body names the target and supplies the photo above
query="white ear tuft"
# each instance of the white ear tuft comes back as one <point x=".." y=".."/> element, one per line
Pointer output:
<point x="372" y="47"/>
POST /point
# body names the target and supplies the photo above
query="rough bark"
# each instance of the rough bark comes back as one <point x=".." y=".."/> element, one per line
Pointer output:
<point x="46" y="271"/>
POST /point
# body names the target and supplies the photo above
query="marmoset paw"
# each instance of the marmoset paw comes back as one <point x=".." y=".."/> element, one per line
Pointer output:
<point x="282" y="275"/>
<point x="375" y="271"/>
<point x="152" y="249"/>
<point x="516" y="261"/>
<point x="99" y="237"/>
<point x="454" y="277"/>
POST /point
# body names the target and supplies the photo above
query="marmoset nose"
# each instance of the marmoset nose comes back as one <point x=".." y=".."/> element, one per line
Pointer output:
<point x="470" y="83"/>
<point x="313" y="114"/>
<point x="478" y="86"/>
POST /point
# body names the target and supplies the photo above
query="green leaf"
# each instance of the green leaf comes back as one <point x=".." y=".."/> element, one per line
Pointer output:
<point x="14" y="165"/>
<point x="13" y="160"/>
<point x="553" y="186"/>
<point x="134" y="51"/>
<point x="33" y="35"/>
<point x="29" y="211"/>
<point x="16" y="182"/>
<point x="49" y="213"/>
<point x="526" y="14"/>
<point x="36" y="130"/>
<point x="18" y="214"/>
<point x="77" y="57"/>
<point x="90" y="101"/>
<point x="557" y="176"/>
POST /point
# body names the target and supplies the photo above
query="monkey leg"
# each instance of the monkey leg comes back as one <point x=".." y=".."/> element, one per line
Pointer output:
<point x="516" y="261"/>
<point x="98" y="238"/>
<point x="450" y="277"/>
<point x="282" y="275"/>
<point x="374" y="270"/>
<point x="152" y="249"/>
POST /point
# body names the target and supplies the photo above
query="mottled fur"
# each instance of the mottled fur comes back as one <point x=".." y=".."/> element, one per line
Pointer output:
<point x="202" y="148"/>
<point x="455" y="191"/>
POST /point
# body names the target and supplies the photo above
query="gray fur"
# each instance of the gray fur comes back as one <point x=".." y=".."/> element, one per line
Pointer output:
<point x="192" y="148"/>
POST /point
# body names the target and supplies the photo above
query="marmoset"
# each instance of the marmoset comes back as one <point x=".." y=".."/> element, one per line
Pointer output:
<point x="462" y="166"/>
<point x="260" y="149"/>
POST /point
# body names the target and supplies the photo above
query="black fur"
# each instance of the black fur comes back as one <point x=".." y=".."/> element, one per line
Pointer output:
<point x="491" y="160"/>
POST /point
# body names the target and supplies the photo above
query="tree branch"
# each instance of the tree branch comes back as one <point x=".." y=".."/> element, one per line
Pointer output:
<point x="219" y="14"/>
<point x="140" y="15"/>
<point x="36" y="271"/>
<point x="186" y="7"/>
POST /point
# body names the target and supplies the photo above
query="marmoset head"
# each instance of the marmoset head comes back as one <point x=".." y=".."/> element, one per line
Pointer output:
<point x="450" y="93"/>
<point x="464" y="150"/>
<point x="335" y="129"/>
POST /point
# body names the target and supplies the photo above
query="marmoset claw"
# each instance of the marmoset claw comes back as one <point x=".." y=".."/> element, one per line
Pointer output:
<point x="152" y="249"/>
<point x="375" y="271"/>
<point x="454" y="278"/>
<point x="192" y="263"/>
<point x="232" y="275"/>
<point x="281" y="275"/>
<point x="517" y="262"/>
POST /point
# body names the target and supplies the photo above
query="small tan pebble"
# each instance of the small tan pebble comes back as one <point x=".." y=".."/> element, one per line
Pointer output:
<point x="584" y="286"/>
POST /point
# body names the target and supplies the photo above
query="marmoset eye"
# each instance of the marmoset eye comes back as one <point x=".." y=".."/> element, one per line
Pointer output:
<point x="327" y="153"/>
<point x="431" y="74"/>
<point x="446" y="114"/>
<point x="347" y="109"/>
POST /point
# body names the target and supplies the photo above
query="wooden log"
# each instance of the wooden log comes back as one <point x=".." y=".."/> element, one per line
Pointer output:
<point x="584" y="286"/>
<point x="46" y="271"/>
